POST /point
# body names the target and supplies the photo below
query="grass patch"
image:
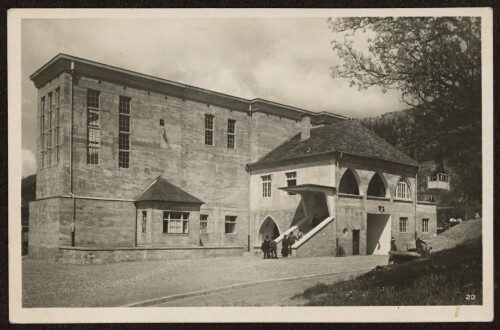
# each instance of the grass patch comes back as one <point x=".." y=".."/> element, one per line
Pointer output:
<point x="448" y="277"/>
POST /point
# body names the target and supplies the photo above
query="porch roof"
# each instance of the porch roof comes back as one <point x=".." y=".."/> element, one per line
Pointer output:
<point x="309" y="187"/>
<point x="163" y="191"/>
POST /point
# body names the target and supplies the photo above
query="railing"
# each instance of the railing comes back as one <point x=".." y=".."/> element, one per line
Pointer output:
<point x="289" y="230"/>
<point x="312" y="232"/>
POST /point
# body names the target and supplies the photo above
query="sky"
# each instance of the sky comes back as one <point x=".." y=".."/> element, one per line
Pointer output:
<point x="285" y="60"/>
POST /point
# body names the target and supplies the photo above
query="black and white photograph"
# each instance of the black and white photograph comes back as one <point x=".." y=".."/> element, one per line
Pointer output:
<point x="270" y="165"/>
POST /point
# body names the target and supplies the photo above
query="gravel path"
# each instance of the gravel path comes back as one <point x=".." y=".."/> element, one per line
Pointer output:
<point x="50" y="284"/>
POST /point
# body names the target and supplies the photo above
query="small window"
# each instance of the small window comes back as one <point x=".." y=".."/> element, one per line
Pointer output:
<point x="425" y="225"/>
<point x="162" y="122"/>
<point x="230" y="224"/>
<point x="175" y="222"/>
<point x="209" y="130"/>
<point x="58" y="97"/>
<point x="291" y="180"/>
<point x="203" y="223"/>
<point x="93" y="99"/>
<point x="403" y="189"/>
<point x="402" y="225"/>
<point x="231" y="133"/>
<point x="144" y="220"/>
<point x="266" y="186"/>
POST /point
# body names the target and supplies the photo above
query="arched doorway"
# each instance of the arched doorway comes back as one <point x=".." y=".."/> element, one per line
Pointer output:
<point x="268" y="228"/>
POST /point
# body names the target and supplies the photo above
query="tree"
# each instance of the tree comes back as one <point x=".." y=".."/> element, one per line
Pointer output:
<point x="435" y="62"/>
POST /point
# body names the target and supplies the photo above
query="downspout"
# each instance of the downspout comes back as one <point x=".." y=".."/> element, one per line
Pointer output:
<point x="249" y="175"/>
<point x="72" y="70"/>
<point x="337" y="164"/>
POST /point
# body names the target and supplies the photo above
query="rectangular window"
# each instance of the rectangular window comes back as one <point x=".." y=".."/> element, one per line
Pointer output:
<point x="231" y="133"/>
<point x="203" y="223"/>
<point x="124" y="132"/>
<point x="291" y="180"/>
<point x="144" y="220"/>
<point x="57" y="124"/>
<point x="230" y="224"/>
<point x="42" y="129"/>
<point x="209" y="130"/>
<point x="403" y="190"/>
<point x="93" y="127"/>
<point x="402" y="225"/>
<point x="266" y="186"/>
<point x="175" y="222"/>
<point x="425" y="225"/>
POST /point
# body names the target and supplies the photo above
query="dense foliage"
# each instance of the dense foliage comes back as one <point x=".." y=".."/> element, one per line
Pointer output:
<point x="435" y="62"/>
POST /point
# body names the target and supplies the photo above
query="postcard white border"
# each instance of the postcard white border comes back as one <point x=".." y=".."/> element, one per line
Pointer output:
<point x="17" y="314"/>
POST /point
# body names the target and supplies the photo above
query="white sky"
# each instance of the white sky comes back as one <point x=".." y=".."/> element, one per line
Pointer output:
<point x="286" y="60"/>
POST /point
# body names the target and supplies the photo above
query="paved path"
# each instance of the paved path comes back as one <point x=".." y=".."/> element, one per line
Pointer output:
<point x="49" y="284"/>
<point x="275" y="293"/>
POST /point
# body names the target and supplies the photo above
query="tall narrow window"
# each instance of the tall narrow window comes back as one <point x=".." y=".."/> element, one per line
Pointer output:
<point x="230" y="224"/>
<point x="231" y="133"/>
<point x="209" y="130"/>
<point x="49" y="135"/>
<point x="42" y="130"/>
<point x="175" y="222"/>
<point x="144" y="221"/>
<point x="266" y="186"/>
<point x="425" y="225"/>
<point x="291" y="180"/>
<point x="124" y="132"/>
<point x="203" y="223"/>
<point x="57" y="124"/>
<point x="402" y="225"/>
<point x="403" y="189"/>
<point x="93" y="127"/>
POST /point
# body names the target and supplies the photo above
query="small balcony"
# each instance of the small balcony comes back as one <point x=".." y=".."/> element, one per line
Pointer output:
<point x="439" y="181"/>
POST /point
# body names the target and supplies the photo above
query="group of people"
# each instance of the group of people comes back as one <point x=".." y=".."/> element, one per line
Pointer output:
<point x="269" y="247"/>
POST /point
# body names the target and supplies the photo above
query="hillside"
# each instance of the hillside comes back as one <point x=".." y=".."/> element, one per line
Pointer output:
<point x="464" y="233"/>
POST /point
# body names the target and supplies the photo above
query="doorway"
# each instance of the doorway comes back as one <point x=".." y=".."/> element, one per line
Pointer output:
<point x="355" y="242"/>
<point x="268" y="228"/>
<point x="378" y="233"/>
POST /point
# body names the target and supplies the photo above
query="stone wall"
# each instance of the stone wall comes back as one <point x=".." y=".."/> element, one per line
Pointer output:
<point x="321" y="244"/>
<point x="104" y="223"/>
<point x="80" y="256"/>
<point x="44" y="228"/>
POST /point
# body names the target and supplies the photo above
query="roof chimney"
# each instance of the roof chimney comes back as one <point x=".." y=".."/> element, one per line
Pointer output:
<point x="305" y="131"/>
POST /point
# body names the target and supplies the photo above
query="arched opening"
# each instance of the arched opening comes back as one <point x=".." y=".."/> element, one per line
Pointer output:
<point x="268" y="228"/>
<point x="403" y="189"/>
<point x="348" y="184"/>
<point x="376" y="187"/>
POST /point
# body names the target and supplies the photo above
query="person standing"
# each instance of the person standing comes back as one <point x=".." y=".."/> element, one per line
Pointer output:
<point x="299" y="235"/>
<point x="284" y="246"/>
<point x="265" y="247"/>
<point x="315" y="220"/>
<point x="272" y="249"/>
<point x="291" y="240"/>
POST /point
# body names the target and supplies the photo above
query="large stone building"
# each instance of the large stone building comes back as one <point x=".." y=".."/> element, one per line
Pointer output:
<point x="133" y="166"/>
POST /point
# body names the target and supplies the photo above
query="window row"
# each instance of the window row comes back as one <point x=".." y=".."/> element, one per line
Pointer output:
<point x="291" y="181"/>
<point x="178" y="223"/>
<point x="50" y="128"/>
<point x="404" y="221"/>
<point x="210" y="129"/>
<point x="94" y="129"/>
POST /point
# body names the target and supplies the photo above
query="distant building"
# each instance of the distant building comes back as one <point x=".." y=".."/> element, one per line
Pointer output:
<point x="132" y="166"/>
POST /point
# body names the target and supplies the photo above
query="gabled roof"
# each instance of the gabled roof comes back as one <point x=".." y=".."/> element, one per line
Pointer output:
<point x="163" y="191"/>
<point x="349" y="137"/>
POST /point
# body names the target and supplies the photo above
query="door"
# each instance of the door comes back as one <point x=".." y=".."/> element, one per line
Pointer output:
<point x="355" y="242"/>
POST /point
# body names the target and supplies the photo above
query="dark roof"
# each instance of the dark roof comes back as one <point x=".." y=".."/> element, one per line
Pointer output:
<point x="162" y="190"/>
<point x="349" y="136"/>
